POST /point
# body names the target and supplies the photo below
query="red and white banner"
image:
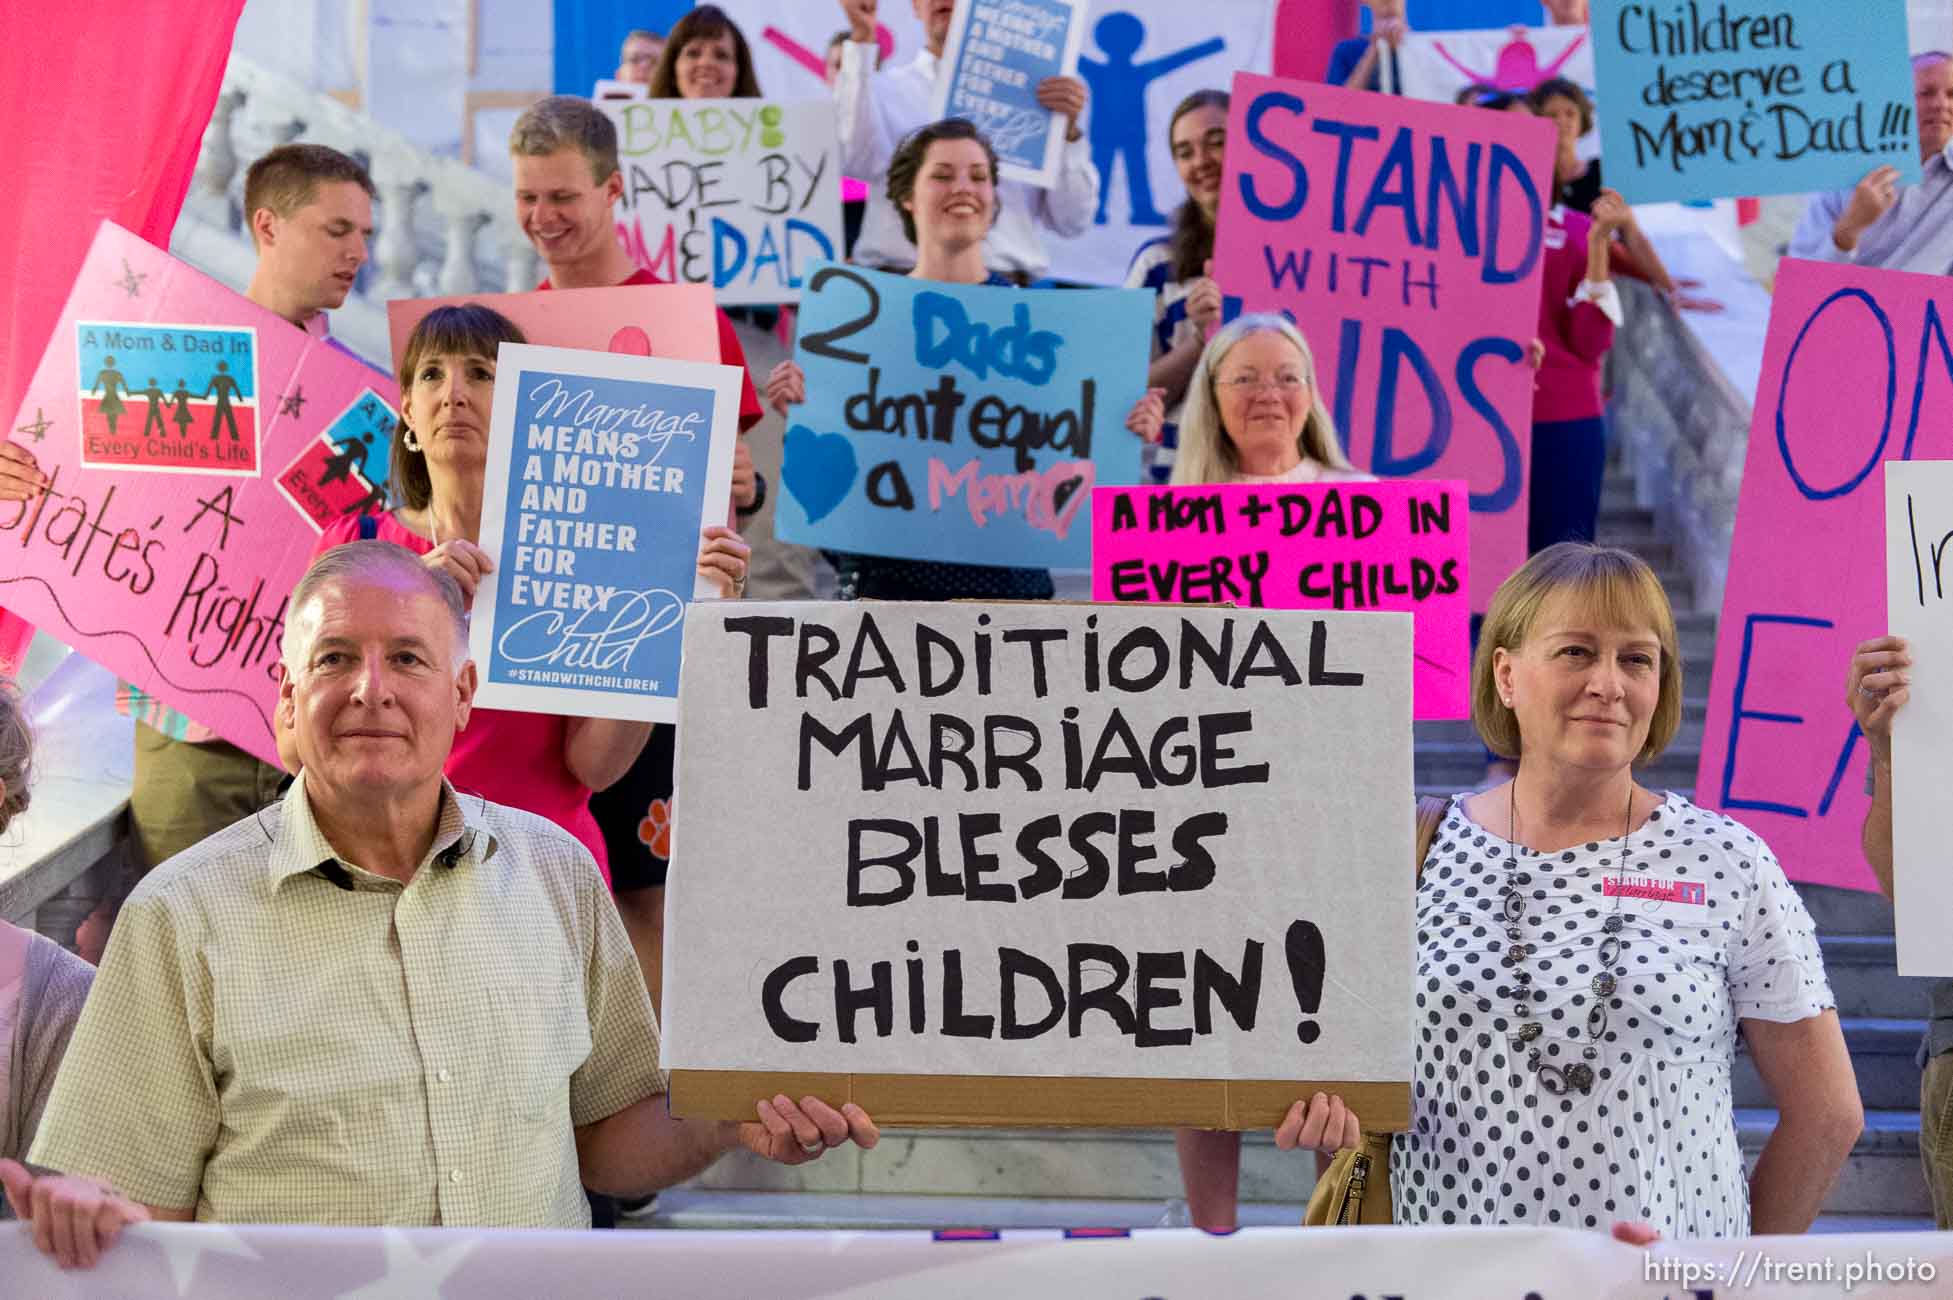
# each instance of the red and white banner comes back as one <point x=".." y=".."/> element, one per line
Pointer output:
<point x="214" y="1262"/>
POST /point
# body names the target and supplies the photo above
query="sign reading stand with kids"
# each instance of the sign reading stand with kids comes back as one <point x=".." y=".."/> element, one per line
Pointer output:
<point x="1044" y="864"/>
<point x="604" y="470"/>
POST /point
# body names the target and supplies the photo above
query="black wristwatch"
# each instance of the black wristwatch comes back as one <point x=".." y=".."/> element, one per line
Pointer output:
<point x="759" y="495"/>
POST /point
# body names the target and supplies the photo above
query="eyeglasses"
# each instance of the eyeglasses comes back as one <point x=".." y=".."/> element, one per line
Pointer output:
<point x="1286" y="384"/>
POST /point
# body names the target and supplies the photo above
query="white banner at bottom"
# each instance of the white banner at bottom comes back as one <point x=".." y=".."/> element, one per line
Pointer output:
<point x="214" y="1262"/>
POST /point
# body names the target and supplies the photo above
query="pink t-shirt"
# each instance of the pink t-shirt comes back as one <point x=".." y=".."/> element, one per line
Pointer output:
<point x="509" y="758"/>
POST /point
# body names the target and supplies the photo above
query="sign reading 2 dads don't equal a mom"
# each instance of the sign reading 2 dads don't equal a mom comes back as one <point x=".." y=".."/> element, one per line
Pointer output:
<point x="1065" y="845"/>
<point x="961" y="423"/>
<point x="602" y="472"/>
<point x="1405" y="239"/>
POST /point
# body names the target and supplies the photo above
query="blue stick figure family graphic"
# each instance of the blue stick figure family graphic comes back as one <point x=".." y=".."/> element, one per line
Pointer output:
<point x="1119" y="82"/>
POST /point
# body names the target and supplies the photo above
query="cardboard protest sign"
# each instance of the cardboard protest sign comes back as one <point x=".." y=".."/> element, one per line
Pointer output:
<point x="1919" y="587"/>
<point x="959" y="422"/>
<point x="677" y="321"/>
<point x="996" y="53"/>
<point x="1752" y="96"/>
<point x="602" y="471"/>
<point x="1158" y="856"/>
<point x="168" y="555"/>
<point x="1388" y="545"/>
<point x="1857" y="369"/>
<point x="343" y="470"/>
<point x="742" y="195"/>
<point x="1404" y="238"/>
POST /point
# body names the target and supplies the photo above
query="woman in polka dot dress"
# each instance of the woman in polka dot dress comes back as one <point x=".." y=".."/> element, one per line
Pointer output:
<point x="1589" y="950"/>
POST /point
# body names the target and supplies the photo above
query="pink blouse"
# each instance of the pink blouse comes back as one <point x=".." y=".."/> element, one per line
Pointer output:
<point x="509" y="758"/>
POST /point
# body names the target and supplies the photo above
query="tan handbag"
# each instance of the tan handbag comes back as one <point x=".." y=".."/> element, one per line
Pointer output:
<point x="1355" y="1188"/>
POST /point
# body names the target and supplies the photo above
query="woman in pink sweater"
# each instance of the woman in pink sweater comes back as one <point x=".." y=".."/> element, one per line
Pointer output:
<point x="1579" y="308"/>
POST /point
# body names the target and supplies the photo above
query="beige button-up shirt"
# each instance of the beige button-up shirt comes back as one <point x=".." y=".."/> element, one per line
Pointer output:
<point x="279" y="1036"/>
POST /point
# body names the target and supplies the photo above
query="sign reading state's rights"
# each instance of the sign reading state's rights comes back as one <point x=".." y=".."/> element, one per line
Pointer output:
<point x="1040" y="840"/>
<point x="602" y="471"/>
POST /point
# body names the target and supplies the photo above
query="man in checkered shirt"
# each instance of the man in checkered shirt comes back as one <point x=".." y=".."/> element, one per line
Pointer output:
<point x="380" y="1001"/>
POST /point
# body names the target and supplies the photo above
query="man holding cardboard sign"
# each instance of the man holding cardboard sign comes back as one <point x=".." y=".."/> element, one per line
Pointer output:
<point x="380" y="1002"/>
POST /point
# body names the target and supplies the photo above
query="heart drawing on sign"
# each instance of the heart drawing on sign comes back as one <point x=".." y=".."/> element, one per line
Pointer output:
<point x="1069" y="485"/>
<point x="818" y="469"/>
<point x="631" y="342"/>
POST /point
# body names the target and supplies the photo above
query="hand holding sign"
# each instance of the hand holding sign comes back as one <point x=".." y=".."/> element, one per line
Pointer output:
<point x="792" y="1135"/>
<point x="20" y="474"/>
<point x="1322" y="1123"/>
<point x="1877" y="687"/>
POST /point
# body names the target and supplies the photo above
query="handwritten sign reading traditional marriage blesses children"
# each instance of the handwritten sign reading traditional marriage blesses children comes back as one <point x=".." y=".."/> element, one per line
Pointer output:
<point x="1706" y="100"/>
<point x="180" y="514"/>
<point x="1857" y="370"/>
<point x="1147" y="865"/>
<point x="1405" y="240"/>
<point x="1919" y="574"/>
<point x="1385" y="545"/>
<point x="956" y="422"/>
<point x="743" y="195"/>
<point x="602" y="472"/>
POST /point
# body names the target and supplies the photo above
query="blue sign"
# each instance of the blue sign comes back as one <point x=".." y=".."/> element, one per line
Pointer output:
<point x="957" y="422"/>
<point x="1752" y="96"/>
<point x="604" y="469"/>
<point x="996" y="53"/>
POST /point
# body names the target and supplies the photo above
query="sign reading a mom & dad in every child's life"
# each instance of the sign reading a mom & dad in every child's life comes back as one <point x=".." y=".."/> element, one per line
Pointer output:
<point x="603" y="471"/>
<point x="956" y="422"/>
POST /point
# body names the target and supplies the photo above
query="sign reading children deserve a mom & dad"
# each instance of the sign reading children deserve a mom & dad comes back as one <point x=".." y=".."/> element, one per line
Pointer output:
<point x="1033" y="863"/>
<point x="602" y="472"/>
<point x="958" y="422"/>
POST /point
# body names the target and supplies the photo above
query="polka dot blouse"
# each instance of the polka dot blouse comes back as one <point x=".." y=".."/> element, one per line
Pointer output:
<point x="1713" y="933"/>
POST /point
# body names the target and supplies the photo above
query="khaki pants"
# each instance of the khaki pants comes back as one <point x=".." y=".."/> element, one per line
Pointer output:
<point x="1936" y="1134"/>
<point x="185" y="793"/>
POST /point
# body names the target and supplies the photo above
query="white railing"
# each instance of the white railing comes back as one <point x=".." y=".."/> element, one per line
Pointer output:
<point x="1682" y="388"/>
<point x="441" y="226"/>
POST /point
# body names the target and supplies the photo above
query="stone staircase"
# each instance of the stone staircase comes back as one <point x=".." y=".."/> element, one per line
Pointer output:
<point x="1069" y="1178"/>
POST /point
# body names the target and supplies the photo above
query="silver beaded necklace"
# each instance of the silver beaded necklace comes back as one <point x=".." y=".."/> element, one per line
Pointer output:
<point x="1579" y="1075"/>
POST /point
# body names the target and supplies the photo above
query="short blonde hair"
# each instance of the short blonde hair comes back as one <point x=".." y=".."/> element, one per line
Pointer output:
<point x="1206" y="453"/>
<point x="1619" y="589"/>
<point x="560" y="122"/>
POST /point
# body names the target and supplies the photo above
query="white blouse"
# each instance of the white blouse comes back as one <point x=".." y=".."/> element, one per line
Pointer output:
<point x="1712" y="933"/>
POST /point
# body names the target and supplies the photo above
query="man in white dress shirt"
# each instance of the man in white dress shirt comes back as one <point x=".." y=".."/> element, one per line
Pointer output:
<point x="878" y="108"/>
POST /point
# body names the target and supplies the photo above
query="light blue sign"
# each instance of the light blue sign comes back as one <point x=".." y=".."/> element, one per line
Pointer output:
<point x="593" y="517"/>
<point x="996" y="54"/>
<point x="1751" y="97"/>
<point x="965" y="423"/>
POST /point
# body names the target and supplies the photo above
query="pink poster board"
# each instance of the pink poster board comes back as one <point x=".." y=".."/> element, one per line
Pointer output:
<point x="1362" y="546"/>
<point x="1857" y="370"/>
<point x="1404" y="238"/>
<point x="166" y="562"/>
<point x="676" y="321"/>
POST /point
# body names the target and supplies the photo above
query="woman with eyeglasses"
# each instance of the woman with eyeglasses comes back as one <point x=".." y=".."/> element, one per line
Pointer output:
<point x="1253" y="411"/>
<point x="1588" y="952"/>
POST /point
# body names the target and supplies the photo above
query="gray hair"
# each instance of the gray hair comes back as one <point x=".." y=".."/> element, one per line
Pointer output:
<point x="372" y="561"/>
<point x="1929" y="59"/>
<point x="1206" y="454"/>
<point x="16" y="752"/>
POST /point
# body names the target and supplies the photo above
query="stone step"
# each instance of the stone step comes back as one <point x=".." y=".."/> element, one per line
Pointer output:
<point x="1864" y="974"/>
<point x="1847" y="911"/>
<point x="1882" y="1056"/>
<point x="1882" y="1175"/>
<point x="1129" y="1178"/>
<point x="692" y="1207"/>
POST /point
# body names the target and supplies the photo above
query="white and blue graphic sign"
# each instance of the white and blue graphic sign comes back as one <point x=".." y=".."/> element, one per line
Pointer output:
<point x="996" y="54"/>
<point x="955" y="422"/>
<point x="602" y="471"/>
<point x="1752" y="96"/>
